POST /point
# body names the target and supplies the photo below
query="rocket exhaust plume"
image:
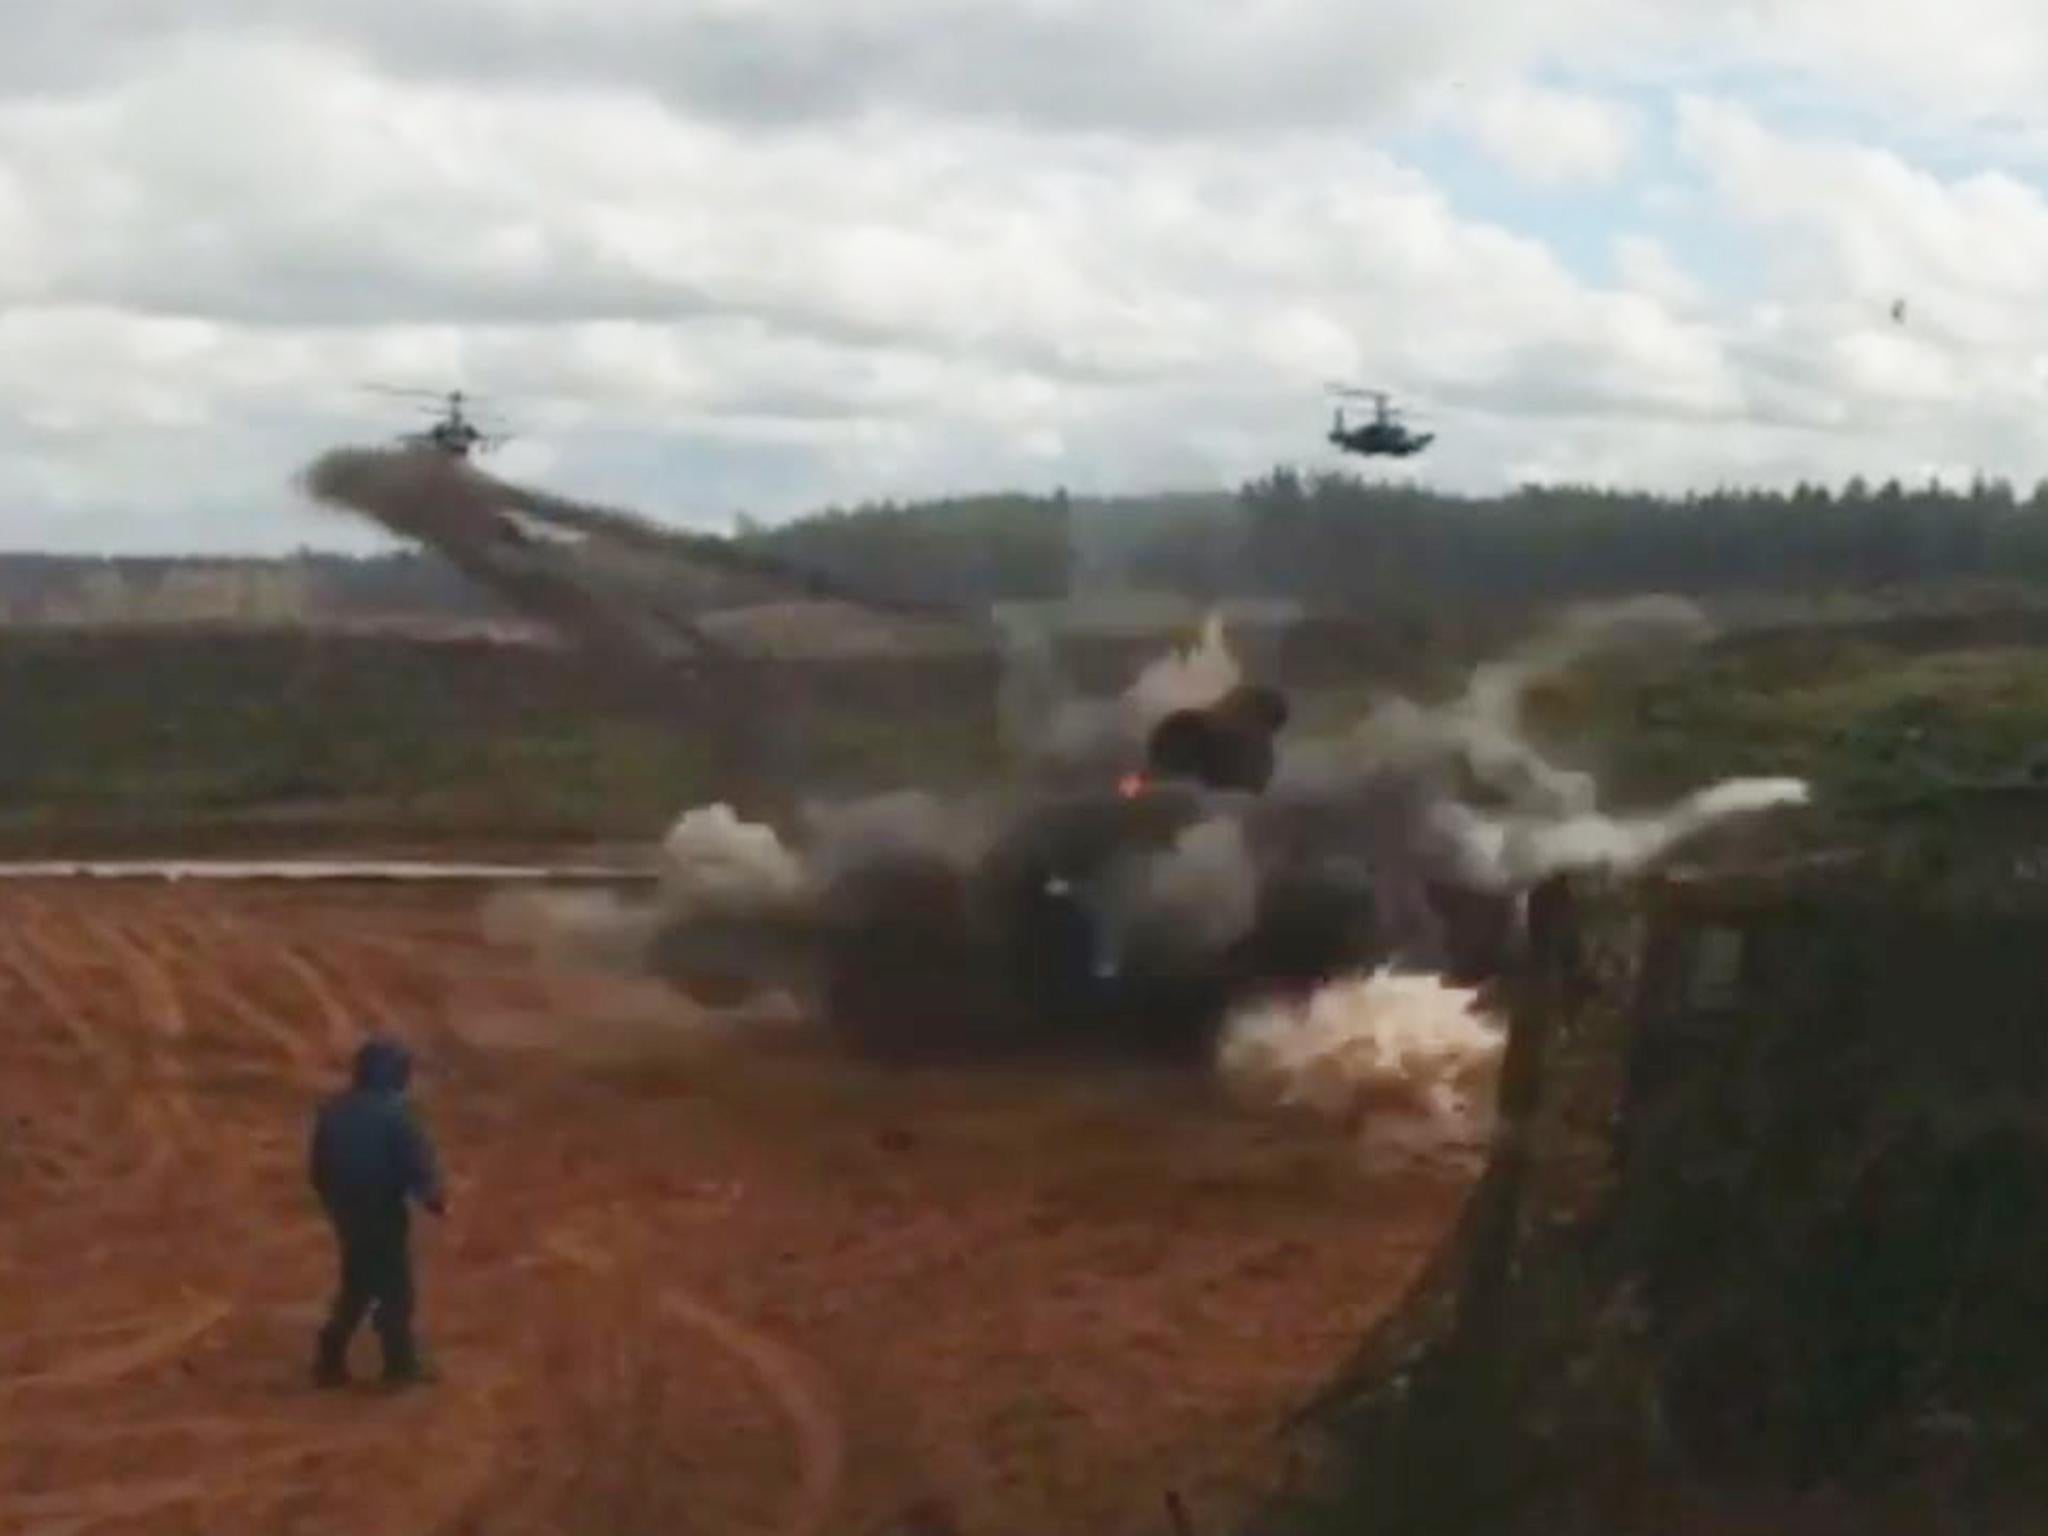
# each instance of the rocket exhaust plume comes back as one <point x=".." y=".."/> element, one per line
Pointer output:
<point x="628" y="591"/>
<point x="472" y="521"/>
<point x="629" y="588"/>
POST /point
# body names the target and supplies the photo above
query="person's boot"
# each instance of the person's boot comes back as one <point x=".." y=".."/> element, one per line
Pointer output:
<point x="410" y="1373"/>
<point x="402" y="1364"/>
<point x="330" y="1362"/>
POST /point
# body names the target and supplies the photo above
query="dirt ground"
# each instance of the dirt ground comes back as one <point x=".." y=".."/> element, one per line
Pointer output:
<point x="681" y="1288"/>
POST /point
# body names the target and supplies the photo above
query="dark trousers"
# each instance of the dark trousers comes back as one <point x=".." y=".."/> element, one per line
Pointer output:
<point x="376" y="1273"/>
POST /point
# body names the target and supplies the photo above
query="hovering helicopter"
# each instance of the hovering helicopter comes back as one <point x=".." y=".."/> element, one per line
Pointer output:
<point x="452" y="432"/>
<point x="1384" y="435"/>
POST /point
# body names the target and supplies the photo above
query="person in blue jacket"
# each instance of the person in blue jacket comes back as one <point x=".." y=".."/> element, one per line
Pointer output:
<point x="369" y="1159"/>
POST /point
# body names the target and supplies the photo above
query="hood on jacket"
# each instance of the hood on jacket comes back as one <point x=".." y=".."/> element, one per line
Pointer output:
<point x="383" y="1065"/>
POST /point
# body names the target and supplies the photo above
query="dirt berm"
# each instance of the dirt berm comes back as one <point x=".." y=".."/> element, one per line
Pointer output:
<point x="1765" y="1245"/>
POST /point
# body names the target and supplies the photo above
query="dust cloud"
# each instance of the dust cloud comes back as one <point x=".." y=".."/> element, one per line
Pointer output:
<point x="589" y="991"/>
<point x="1381" y="1040"/>
<point x="1407" y="1063"/>
<point x="1194" y="678"/>
<point x="1050" y="728"/>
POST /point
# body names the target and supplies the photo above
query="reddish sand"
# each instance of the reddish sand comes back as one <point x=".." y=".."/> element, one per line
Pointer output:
<point x="762" y="1290"/>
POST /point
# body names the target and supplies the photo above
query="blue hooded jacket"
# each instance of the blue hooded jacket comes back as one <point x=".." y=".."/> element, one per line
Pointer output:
<point x="368" y="1153"/>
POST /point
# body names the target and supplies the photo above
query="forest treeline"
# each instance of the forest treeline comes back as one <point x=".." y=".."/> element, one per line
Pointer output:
<point x="1343" y="541"/>
<point x="1330" y="540"/>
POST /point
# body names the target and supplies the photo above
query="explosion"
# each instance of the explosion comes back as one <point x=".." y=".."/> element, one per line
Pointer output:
<point x="1317" y="920"/>
<point x="1193" y="899"/>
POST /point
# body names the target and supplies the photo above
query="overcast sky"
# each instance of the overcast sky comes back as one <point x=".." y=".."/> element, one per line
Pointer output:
<point x="765" y="255"/>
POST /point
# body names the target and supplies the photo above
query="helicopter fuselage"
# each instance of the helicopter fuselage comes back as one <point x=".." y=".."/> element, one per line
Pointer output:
<point x="454" y="437"/>
<point x="1382" y="441"/>
<point x="1383" y="436"/>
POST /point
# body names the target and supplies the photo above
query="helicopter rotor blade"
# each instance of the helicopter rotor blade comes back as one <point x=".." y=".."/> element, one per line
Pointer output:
<point x="441" y="397"/>
<point x="406" y="391"/>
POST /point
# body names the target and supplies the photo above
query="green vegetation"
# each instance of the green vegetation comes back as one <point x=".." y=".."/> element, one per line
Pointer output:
<point x="974" y="550"/>
<point x="1331" y="540"/>
<point x="1340" y="541"/>
<point x="170" y="736"/>
<point x="1871" y="725"/>
<point x="162" y="735"/>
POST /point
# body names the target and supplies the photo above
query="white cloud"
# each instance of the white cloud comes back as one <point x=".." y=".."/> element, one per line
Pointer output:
<point x="1151" y="66"/>
<point x="905" y="308"/>
<point x="1851" y="229"/>
<point x="773" y="253"/>
<point x="1846" y="230"/>
<point x="1964" y="62"/>
<point x="1555" y="138"/>
<point x="1646" y="265"/>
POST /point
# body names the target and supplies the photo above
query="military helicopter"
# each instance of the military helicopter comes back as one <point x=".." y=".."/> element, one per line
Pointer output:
<point x="1384" y="435"/>
<point x="452" y="432"/>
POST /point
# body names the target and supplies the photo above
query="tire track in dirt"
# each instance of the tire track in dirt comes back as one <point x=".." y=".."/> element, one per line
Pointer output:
<point x="341" y="962"/>
<point x="462" y="1474"/>
<point x="817" y="1435"/>
<point x="130" y="987"/>
<point x="240" y="951"/>
<point x="72" y="1511"/>
<point x="26" y="947"/>
<point x="56" y="1153"/>
<point x="52" y="1433"/>
<point x="216" y="981"/>
<point x="159" y="1003"/>
<point x="338" y="1022"/>
<point x="160" y="1340"/>
<point x="46" y="964"/>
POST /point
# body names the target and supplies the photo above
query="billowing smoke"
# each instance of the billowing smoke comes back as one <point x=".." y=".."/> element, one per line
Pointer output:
<point x="630" y="589"/>
<point x="593" y="929"/>
<point x="1489" y="812"/>
<point x="1194" y="678"/>
<point x="912" y="823"/>
<point x="1197" y="897"/>
<point x="1049" y="727"/>
<point x="1502" y="853"/>
<point x="1408" y="842"/>
<point x="1476" y="746"/>
<point x="714" y="865"/>
<point x="1408" y="1063"/>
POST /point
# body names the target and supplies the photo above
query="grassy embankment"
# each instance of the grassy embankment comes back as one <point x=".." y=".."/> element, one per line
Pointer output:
<point x="189" y="742"/>
<point x="157" y="741"/>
